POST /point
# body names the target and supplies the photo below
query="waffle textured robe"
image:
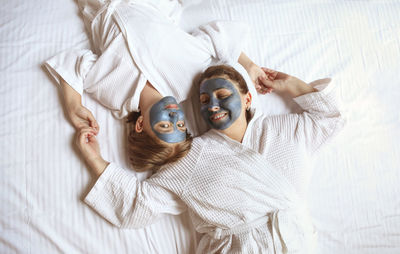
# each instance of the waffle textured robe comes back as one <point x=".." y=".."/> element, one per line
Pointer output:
<point x="139" y="41"/>
<point x="244" y="197"/>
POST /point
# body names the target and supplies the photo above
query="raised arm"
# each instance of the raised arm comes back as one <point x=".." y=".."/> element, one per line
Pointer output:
<point x="283" y="83"/>
<point x="119" y="197"/>
<point x="225" y="41"/>
<point x="321" y="118"/>
<point x="255" y="72"/>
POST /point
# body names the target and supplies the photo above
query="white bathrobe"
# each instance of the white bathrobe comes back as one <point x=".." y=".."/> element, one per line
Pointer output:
<point x="244" y="197"/>
<point x="138" y="41"/>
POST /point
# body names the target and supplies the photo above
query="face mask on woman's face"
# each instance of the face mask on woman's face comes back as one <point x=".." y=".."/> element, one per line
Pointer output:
<point x="220" y="103"/>
<point x="167" y="120"/>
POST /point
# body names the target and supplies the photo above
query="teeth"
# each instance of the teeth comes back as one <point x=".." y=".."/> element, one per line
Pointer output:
<point x="218" y="116"/>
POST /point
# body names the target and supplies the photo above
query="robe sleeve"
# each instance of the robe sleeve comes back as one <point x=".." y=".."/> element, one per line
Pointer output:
<point x="72" y="66"/>
<point x="225" y="40"/>
<point x="111" y="78"/>
<point x="124" y="201"/>
<point x="320" y="120"/>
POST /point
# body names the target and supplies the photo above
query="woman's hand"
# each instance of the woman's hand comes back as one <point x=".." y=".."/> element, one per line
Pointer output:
<point x="89" y="148"/>
<point x="283" y="83"/>
<point x="81" y="117"/>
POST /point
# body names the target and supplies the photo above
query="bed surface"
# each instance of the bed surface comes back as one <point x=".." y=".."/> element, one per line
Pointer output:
<point x="354" y="192"/>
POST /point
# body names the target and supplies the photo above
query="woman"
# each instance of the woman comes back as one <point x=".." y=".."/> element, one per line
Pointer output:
<point x="131" y="70"/>
<point x="243" y="182"/>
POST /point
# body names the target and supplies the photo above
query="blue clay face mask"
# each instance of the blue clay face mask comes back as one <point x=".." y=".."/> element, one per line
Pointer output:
<point x="167" y="120"/>
<point x="220" y="103"/>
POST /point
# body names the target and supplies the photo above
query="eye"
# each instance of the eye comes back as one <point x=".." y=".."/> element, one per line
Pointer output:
<point x="164" y="125"/>
<point x="181" y="125"/>
<point x="223" y="96"/>
<point x="223" y="93"/>
<point x="204" y="99"/>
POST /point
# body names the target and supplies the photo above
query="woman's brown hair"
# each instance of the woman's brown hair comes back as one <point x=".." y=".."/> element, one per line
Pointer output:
<point x="225" y="70"/>
<point x="146" y="153"/>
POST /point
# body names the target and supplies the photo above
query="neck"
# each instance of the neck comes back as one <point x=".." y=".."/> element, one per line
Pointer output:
<point x="236" y="131"/>
<point x="148" y="97"/>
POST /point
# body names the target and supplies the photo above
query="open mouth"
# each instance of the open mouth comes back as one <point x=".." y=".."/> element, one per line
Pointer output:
<point x="218" y="116"/>
<point x="171" y="106"/>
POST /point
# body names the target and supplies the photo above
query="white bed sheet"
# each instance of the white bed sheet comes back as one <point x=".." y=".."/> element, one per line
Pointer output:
<point x="355" y="189"/>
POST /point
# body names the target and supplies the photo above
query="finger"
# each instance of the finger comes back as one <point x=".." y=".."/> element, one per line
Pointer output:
<point x="261" y="91"/>
<point x="93" y="123"/>
<point x="87" y="138"/>
<point x="259" y="88"/>
<point x="265" y="69"/>
<point x="91" y="138"/>
<point x="82" y="139"/>
<point x="87" y="132"/>
<point x="272" y="74"/>
<point x="266" y="83"/>
<point x="86" y="129"/>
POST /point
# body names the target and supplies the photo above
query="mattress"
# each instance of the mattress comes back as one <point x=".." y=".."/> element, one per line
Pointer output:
<point x="354" y="192"/>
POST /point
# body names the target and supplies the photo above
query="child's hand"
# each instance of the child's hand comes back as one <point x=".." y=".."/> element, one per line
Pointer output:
<point x="90" y="150"/>
<point x="283" y="83"/>
<point x="81" y="117"/>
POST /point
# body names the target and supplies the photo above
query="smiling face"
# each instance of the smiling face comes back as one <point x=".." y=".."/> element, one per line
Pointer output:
<point x="167" y="120"/>
<point x="221" y="103"/>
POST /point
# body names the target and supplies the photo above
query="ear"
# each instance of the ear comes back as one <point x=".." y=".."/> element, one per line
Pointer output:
<point x="248" y="100"/>
<point x="139" y="124"/>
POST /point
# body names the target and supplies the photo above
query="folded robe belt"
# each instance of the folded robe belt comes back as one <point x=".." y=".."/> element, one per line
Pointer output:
<point x="218" y="233"/>
<point x="294" y="233"/>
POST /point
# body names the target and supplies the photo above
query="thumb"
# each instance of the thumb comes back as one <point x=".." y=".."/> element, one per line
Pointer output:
<point x="267" y="83"/>
<point x="272" y="74"/>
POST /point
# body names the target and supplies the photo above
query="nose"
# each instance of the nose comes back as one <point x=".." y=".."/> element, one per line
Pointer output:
<point x="213" y="108"/>
<point x="172" y="114"/>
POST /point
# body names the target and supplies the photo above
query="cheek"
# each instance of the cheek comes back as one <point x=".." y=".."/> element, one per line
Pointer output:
<point x="233" y="104"/>
<point x="204" y="109"/>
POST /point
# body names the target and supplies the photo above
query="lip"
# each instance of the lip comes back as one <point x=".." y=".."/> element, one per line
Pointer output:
<point x="172" y="106"/>
<point x="218" y="116"/>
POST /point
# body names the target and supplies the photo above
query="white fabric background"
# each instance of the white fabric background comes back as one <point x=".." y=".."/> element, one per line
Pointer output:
<point x="354" y="194"/>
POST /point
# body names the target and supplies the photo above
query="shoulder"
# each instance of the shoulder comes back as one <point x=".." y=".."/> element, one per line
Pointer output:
<point x="180" y="171"/>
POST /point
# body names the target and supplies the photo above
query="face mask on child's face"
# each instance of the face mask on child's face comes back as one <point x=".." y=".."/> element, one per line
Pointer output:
<point x="220" y="103"/>
<point x="167" y="120"/>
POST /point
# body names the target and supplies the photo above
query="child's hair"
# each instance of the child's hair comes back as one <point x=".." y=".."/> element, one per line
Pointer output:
<point x="146" y="153"/>
<point x="225" y="70"/>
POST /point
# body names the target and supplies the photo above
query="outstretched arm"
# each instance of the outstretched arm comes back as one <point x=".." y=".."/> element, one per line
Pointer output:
<point x="80" y="116"/>
<point x="255" y="73"/>
<point x="119" y="197"/>
<point x="321" y="118"/>
<point x="283" y="83"/>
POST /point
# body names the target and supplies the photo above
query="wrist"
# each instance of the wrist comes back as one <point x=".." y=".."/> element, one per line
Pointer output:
<point x="246" y="62"/>
<point x="301" y="88"/>
<point x="97" y="165"/>
<point x="71" y="97"/>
